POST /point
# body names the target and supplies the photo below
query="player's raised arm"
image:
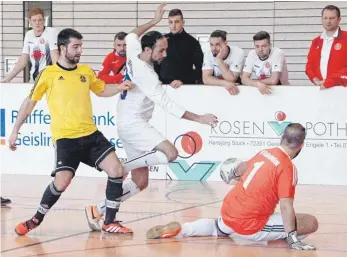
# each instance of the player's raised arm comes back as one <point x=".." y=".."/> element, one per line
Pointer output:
<point x="151" y="86"/>
<point x="99" y="88"/>
<point x="113" y="89"/>
<point x="20" y="65"/>
<point x="157" y="18"/>
<point x="207" y="119"/>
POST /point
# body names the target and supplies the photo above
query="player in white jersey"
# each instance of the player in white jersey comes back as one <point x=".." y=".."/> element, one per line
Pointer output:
<point x="143" y="144"/>
<point x="40" y="47"/>
<point x="268" y="64"/>
<point x="223" y="63"/>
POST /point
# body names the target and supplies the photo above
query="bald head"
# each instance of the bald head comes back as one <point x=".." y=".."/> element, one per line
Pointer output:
<point x="293" y="136"/>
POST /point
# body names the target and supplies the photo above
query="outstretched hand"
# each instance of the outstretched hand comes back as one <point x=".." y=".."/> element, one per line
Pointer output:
<point x="159" y="13"/>
<point x="208" y="119"/>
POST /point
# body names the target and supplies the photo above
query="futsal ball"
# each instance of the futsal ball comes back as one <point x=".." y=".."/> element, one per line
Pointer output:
<point x="227" y="169"/>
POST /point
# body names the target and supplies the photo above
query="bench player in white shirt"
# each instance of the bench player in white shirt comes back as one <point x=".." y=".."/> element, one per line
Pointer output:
<point x="223" y="63"/>
<point x="40" y="47"/>
<point x="267" y="63"/>
<point x="143" y="144"/>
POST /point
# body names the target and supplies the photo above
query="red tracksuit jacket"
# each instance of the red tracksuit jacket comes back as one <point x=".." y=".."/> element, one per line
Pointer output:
<point x="337" y="65"/>
<point x="115" y="63"/>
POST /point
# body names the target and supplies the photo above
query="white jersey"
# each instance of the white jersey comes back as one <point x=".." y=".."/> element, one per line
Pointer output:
<point x="39" y="48"/>
<point x="234" y="61"/>
<point x="263" y="69"/>
<point x="139" y="102"/>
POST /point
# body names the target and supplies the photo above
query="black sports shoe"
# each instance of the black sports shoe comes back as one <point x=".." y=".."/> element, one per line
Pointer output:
<point x="5" y="202"/>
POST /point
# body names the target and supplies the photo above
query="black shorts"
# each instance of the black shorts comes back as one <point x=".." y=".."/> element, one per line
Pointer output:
<point x="90" y="150"/>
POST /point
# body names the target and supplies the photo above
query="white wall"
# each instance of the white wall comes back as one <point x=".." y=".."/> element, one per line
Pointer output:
<point x="239" y="134"/>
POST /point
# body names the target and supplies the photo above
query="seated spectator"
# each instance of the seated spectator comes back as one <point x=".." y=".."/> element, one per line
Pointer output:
<point x="183" y="52"/>
<point x="39" y="49"/>
<point x="115" y="61"/>
<point x="267" y="63"/>
<point x="223" y="64"/>
<point x="327" y="59"/>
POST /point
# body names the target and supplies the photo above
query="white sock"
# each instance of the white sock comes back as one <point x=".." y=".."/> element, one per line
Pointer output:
<point x="129" y="189"/>
<point x="101" y="207"/>
<point x="151" y="158"/>
<point x="202" y="227"/>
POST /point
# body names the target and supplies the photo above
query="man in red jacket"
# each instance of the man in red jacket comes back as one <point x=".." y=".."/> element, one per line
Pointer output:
<point x="115" y="61"/>
<point x="327" y="59"/>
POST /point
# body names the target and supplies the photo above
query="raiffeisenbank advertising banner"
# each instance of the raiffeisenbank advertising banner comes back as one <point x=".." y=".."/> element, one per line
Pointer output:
<point x="248" y="123"/>
<point x="35" y="153"/>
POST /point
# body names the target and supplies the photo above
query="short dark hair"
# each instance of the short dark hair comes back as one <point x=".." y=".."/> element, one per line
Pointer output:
<point x="219" y="33"/>
<point x="332" y="8"/>
<point x="65" y="35"/>
<point x="175" y="12"/>
<point x="294" y="135"/>
<point x="120" y="35"/>
<point x="261" y="35"/>
<point x="150" y="39"/>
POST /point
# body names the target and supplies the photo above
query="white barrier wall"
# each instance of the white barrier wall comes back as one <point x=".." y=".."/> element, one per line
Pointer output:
<point x="248" y="123"/>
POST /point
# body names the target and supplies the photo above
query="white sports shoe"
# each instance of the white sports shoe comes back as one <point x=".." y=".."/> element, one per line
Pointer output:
<point x="93" y="217"/>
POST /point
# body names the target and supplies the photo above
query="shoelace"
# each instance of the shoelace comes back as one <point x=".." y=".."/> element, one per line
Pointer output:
<point x="118" y="222"/>
<point x="120" y="225"/>
<point x="30" y="224"/>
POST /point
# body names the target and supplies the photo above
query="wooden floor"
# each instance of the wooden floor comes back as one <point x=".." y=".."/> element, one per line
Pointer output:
<point x="64" y="231"/>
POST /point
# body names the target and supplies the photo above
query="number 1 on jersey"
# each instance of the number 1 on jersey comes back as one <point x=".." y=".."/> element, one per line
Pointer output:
<point x="256" y="167"/>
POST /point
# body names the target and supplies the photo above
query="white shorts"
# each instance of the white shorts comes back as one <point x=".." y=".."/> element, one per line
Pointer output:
<point x="273" y="230"/>
<point x="139" y="138"/>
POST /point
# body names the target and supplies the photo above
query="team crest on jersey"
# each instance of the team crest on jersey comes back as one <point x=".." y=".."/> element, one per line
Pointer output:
<point x="338" y="46"/>
<point x="267" y="65"/>
<point x="262" y="76"/>
<point x="42" y="40"/>
<point x="83" y="79"/>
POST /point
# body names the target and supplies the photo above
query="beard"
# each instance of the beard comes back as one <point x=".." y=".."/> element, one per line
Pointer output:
<point x="157" y="62"/>
<point x="122" y="54"/>
<point x="72" y="59"/>
<point x="297" y="154"/>
<point x="263" y="56"/>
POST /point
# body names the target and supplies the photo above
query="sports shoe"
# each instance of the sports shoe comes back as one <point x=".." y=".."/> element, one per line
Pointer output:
<point x="93" y="217"/>
<point x="24" y="227"/>
<point x="5" y="201"/>
<point x="117" y="228"/>
<point x="164" y="231"/>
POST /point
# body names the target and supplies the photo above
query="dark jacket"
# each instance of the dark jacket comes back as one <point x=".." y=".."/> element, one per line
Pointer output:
<point x="183" y="52"/>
